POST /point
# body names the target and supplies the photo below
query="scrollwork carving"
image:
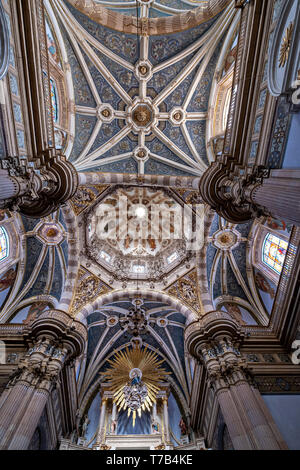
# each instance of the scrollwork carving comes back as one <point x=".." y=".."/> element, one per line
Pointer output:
<point x="39" y="187"/>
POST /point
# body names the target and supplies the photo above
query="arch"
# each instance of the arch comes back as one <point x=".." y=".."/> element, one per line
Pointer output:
<point x="145" y="293"/>
<point x="73" y="257"/>
<point x="218" y="88"/>
<point x="31" y="301"/>
<point x="206" y="299"/>
<point x="186" y="182"/>
<point x="89" y="386"/>
<point x="64" y="81"/>
<point x="16" y="260"/>
<point x="153" y="26"/>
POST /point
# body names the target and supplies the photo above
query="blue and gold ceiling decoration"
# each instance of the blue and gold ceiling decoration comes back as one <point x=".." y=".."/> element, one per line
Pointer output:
<point x="141" y="102"/>
<point x="134" y="377"/>
<point x="164" y="335"/>
<point x="42" y="269"/>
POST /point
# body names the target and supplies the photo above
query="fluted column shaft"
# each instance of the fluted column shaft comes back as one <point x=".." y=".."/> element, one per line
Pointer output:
<point x="280" y="196"/>
<point x="30" y="419"/>
<point x="27" y="398"/>
<point x="100" y="435"/>
<point x="13" y="409"/>
<point x="215" y="340"/>
<point x="56" y="338"/>
<point x="166" y="419"/>
<point x="236" y="428"/>
<point x="9" y="186"/>
<point x="247" y="423"/>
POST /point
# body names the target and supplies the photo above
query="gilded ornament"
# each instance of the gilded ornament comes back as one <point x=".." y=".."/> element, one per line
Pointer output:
<point x="143" y="69"/>
<point x="286" y="45"/>
<point x="105" y="113"/>
<point x="141" y="115"/>
<point x="134" y="377"/>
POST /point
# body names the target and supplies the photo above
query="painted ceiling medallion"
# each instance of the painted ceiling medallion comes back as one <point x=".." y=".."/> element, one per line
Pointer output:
<point x="226" y="239"/>
<point x="162" y="322"/>
<point x="50" y="233"/>
<point x="143" y="70"/>
<point x="142" y="115"/>
<point x="177" y="116"/>
<point x="143" y="369"/>
<point x="286" y="45"/>
<point x="112" y="321"/>
<point x="141" y="153"/>
<point x="105" y="113"/>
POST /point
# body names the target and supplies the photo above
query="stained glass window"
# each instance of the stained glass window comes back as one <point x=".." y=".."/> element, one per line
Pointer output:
<point x="4" y="244"/>
<point x="273" y="252"/>
<point x="54" y="99"/>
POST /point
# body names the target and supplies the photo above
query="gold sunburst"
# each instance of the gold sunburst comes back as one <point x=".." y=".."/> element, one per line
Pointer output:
<point x="118" y="375"/>
<point x="286" y="45"/>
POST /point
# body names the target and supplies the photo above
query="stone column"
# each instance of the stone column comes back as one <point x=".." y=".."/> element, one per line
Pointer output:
<point x="9" y="187"/>
<point x="278" y="195"/>
<point x="114" y="412"/>
<point x="166" y="419"/>
<point x="56" y="338"/>
<point x="101" y="431"/>
<point x="154" y="411"/>
<point x="215" y="342"/>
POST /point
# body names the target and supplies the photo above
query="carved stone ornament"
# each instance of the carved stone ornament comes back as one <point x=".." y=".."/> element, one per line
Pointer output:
<point x="229" y="193"/>
<point x="39" y="187"/>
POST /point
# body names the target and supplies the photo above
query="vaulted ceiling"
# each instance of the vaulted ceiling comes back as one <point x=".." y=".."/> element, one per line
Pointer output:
<point x="164" y="333"/>
<point x="141" y="102"/>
